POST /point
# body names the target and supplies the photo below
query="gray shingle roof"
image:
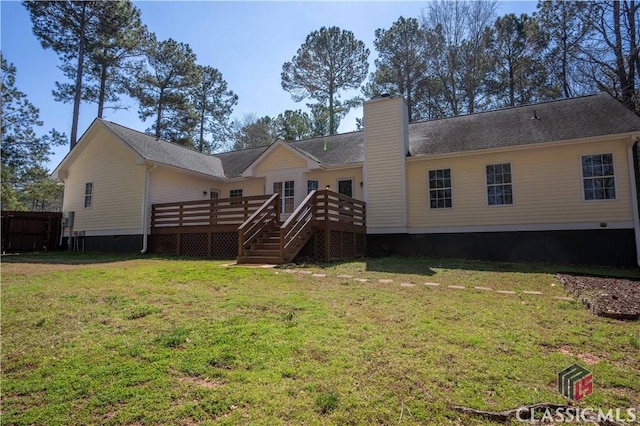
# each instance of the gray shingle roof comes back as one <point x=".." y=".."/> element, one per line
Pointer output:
<point x="593" y="115"/>
<point x="168" y="153"/>
<point x="332" y="150"/>
<point x="235" y="162"/>
<point x="587" y="116"/>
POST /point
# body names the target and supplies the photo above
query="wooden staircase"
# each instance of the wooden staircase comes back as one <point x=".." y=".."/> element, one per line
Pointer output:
<point x="265" y="248"/>
<point x="263" y="238"/>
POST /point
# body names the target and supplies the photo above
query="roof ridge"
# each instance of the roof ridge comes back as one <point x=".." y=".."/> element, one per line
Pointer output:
<point x="508" y="108"/>
<point x="156" y="138"/>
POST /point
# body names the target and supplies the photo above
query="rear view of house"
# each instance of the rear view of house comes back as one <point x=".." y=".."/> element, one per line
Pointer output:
<point x="551" y="182"/>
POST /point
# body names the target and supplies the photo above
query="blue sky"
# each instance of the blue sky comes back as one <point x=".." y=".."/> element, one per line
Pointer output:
<point x="247" y="41"/>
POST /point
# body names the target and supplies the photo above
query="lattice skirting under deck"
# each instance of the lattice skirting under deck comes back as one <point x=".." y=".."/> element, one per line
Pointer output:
<point x="219" y="245"/>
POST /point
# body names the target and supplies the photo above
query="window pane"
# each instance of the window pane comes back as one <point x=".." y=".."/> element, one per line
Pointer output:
<point x="610" y="194"/>
<point x="345" y="187"/>
<point x="312" y="185"/>
<point x="588" y="184"/>
<point x="289" y="188"/>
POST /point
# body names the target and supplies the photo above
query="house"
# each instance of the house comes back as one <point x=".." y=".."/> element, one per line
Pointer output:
<point x="551" y="182"/>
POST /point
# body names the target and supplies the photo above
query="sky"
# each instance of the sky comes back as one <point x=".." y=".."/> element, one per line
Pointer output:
<point x="247" y="41"/>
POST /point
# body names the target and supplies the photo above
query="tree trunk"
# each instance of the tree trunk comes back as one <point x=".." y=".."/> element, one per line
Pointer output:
<point x="331" y="110"/>
<point x="625" y="83"/>
<point x="202" y="112"/>
<point x="159" y="115"/>
<point x="103" y="88"/>
<point x="79" y="71"/>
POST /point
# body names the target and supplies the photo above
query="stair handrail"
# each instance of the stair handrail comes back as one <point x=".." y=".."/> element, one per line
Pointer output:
<point x="266" y="215"/>
<point x="298" y="223"/>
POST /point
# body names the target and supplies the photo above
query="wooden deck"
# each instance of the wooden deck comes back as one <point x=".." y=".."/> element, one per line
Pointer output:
<point x="325" y="226"/>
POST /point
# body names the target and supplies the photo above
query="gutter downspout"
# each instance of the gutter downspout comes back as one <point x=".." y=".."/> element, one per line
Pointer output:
<point x="634" y="197"/>
<point x="145" y="209"/>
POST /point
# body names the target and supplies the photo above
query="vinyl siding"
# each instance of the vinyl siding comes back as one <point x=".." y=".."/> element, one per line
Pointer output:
<point x="385" y="136"/>
<point x="250" y="187"/>
<point x="331" y="177"/>
<point x="169" y="185"/>
<point x="279" y="159"/>
<point x="118" y="186"/>
<point x="547" y="189"/>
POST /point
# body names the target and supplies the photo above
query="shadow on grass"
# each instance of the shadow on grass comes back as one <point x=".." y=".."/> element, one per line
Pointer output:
<point x="398" y="265"/>
<point x="87" y="258"/>
<point x="425" y="266"/>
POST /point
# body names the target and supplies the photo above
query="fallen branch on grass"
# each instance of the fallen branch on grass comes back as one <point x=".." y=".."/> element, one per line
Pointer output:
<point x="547" y="411"/>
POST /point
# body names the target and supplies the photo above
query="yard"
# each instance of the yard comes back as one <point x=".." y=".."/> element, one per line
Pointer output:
<point x="89" y="339"/>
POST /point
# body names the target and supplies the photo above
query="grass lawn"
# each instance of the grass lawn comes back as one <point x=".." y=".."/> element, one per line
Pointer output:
<point x="89" y="339"/>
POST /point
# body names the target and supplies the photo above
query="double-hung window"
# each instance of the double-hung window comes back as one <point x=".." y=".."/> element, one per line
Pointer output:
<point x="440" y="195"/>
<point x="88" y="194"/>
<point x="598" y="179"/>
<point x="286" y="189"/>
<point x="499" y="184"/>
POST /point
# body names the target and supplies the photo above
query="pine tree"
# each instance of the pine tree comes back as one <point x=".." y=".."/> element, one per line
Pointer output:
<point x="69" y="29"/>
<point x="24" y="153"/>
<point x="162" y="88"/>
<point x="330" y="60"/>
<point x="213" y="103"/>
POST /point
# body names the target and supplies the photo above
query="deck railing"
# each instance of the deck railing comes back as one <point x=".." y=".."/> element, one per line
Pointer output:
<point x="267" y="216"/>
<point x="325" y="209"/>
<point x="222" y="211"/>
<point x="297" y="228"/>
<point x="331" y="206"/>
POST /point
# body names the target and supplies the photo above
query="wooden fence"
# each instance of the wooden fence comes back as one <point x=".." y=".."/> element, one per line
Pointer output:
<point x="30" y="231"/>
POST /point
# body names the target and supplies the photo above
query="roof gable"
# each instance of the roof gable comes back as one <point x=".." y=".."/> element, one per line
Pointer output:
<point x="280" y="155"/>
<point x="167" y="153"/>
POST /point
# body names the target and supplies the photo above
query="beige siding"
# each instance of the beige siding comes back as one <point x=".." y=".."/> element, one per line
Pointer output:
<point x="385" y="139"/>
<point x="547" y="189"/>
<point x="118" y="186"/>
<point x="250" y="187"/>
<point x="280" y="159"/>
<point x="169" y="185"/>
<point x="331" y="177"/>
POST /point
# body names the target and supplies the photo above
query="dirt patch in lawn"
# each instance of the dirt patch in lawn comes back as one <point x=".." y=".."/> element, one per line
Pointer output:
<point x="608" y="297"/>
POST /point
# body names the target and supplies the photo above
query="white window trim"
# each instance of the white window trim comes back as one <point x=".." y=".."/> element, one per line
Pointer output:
<point x="451" y="188"/>
<point x="214" y="190"/>
<point x="84" y="198"/>
<point x="353" y="187"/>
<point x="283" y="197"/>
<point x="486" y="186"/>
<point x="615" y="179"/>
